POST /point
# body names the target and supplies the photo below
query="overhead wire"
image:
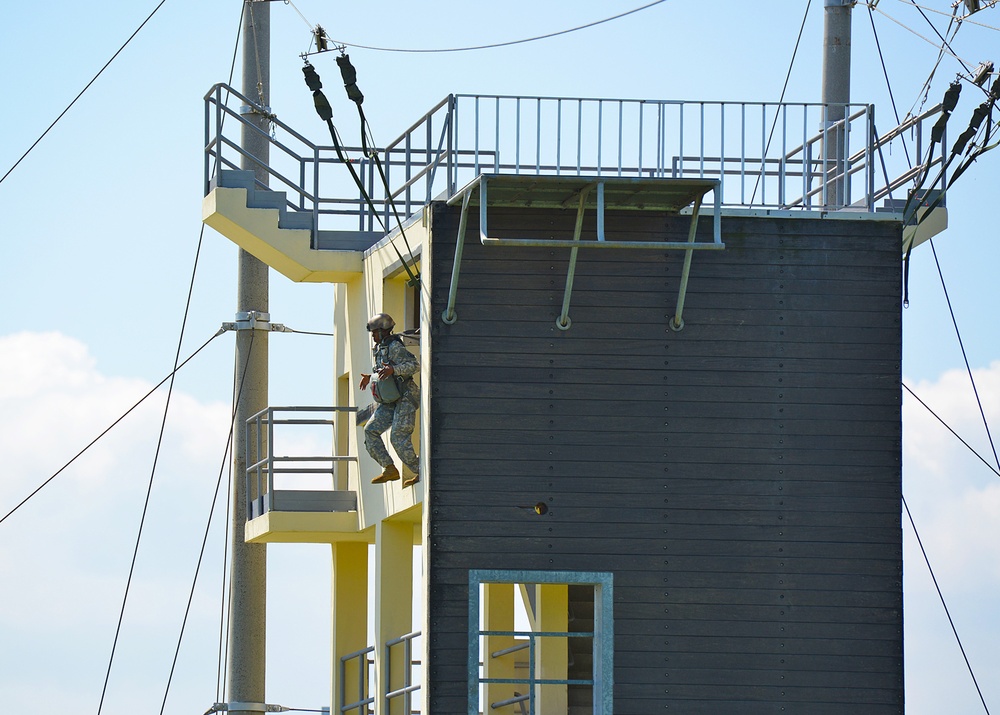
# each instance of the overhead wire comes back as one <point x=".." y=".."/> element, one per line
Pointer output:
<point x="944" y="42"/>
<point x="110" y="427"/>
<point x="299" y="12"/>
<point x="905" y="505"/>
<point x="500" y="44"/>
<point x="888" y="85"/>
<point x="221" y="674"/>
<point x="950" y="429"/>
<point x="926" y="88"/>
<point x="307" y="332"/>
<point x="156" y="455"/>
<point x="945" y="47"/>
<point x="208" y="525"/>
<point x="964" y="19"/>
<point x="145" y="509"/>
<point x="94" y="79"/>
<point x="965" y="357"/>
<point x="781" y="99"/>
<point x="944" y="604"/>
<point x="256" y="51"/>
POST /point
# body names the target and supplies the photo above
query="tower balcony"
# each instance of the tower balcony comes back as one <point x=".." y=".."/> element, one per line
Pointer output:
<point x="768" y="158"/>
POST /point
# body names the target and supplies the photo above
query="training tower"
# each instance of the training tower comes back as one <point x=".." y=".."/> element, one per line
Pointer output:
<point x="660" y="431"/>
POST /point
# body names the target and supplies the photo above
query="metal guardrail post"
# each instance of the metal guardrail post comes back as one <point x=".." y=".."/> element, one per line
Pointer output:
<point x="248" y="493"/>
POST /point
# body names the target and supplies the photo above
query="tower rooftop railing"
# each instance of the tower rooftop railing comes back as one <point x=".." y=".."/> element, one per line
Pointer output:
<point x="767" y="156"/>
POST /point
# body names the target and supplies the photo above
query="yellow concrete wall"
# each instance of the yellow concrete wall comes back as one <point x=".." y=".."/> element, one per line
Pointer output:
<point x="349" y="604"/>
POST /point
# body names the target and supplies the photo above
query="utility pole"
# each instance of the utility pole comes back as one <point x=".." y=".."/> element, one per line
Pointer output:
<point x="249" y="567"/>
<point x="836" y="92"/>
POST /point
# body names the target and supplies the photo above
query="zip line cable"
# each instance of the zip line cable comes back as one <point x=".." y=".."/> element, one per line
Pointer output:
<point x="500" y="44"/>
<point x="208" y="525"/>
<point x="774" y="124"/>
<point x="945" y="606"/>
<point x="954" y="433"/>
<point x="70" y="105"/>
<point x="110" y="427"/>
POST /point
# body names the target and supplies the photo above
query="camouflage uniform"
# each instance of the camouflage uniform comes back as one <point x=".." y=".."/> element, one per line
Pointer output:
<point x="401" y="414"/>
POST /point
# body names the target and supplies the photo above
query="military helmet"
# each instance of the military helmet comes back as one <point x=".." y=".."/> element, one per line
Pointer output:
<point x="382" y="321"/>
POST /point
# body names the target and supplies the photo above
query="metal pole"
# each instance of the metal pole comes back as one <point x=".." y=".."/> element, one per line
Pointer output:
<point x="249" y="566"/>
<point x="836" y="94"/>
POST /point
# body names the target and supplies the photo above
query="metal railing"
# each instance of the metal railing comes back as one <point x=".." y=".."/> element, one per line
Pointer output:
<point x="364" y="702"/>
<point x="263" y="465"/>
<point x="791" y="156"/>
<point x="530" y="680"/>
<point x="411" y="681"/>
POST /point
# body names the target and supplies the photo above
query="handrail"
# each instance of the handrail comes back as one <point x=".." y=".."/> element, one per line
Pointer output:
<point x="409" y="687"/>
<point x="765" y="155"/>
<point x="262" y="462"/>
<point x="364" y="672"/>
<point x="530" y="680"/>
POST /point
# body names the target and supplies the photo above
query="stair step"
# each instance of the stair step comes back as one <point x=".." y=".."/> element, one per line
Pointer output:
<point x="233" y="179"/>
<point x="265" y="199"/>
<point x="347" y="240"/>
<point x="295" y="219"/>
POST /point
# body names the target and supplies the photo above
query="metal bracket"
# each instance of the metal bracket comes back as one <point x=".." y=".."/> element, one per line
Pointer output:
<point x="254" y="320"/>
<point x="247" y="707"/>
<point x="673" y="195"/>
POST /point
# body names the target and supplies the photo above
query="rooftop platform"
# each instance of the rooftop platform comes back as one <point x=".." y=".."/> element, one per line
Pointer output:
<point x="766" y="157"/>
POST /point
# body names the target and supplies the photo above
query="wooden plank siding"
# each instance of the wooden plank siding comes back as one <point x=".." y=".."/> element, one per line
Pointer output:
<point x="740" y="478"/>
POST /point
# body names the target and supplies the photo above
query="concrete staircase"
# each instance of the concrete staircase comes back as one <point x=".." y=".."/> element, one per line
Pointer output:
<point x="258" y="198"/>
<point x="263" y="223"/>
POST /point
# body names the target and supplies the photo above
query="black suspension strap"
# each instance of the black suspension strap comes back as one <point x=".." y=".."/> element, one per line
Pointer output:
<point x="325" y="112"/>
<point x="350" y="76"/>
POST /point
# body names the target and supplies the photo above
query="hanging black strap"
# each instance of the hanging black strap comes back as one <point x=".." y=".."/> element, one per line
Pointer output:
<point x="325" y="112"/>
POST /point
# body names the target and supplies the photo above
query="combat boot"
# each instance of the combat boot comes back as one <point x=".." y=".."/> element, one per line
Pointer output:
<point x="411" y="477"/>
<point x="389" y="474"/>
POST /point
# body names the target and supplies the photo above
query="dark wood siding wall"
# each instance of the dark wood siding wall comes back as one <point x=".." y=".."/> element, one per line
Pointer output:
<point x="740" y="478"/>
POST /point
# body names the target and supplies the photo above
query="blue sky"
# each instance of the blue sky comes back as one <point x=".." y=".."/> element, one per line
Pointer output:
<point x="98" y="231"/>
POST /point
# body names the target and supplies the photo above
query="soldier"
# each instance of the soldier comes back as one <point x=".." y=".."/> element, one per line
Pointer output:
<point x="398" y="397"/>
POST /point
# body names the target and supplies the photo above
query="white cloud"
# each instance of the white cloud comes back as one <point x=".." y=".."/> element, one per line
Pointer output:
<point x="955" y="501"/>
<point x="65" y="554"/>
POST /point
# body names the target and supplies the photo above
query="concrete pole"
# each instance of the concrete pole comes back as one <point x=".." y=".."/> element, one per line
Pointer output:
<point x="836" y="91"/>
<point x="249" y="566"/>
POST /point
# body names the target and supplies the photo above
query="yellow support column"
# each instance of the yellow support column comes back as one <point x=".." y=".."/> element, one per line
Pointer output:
<point x="498" y="615"/>
<point x="350" y="616"/>
<point x="552" y="654"/>
<point x="394" y="610"/>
